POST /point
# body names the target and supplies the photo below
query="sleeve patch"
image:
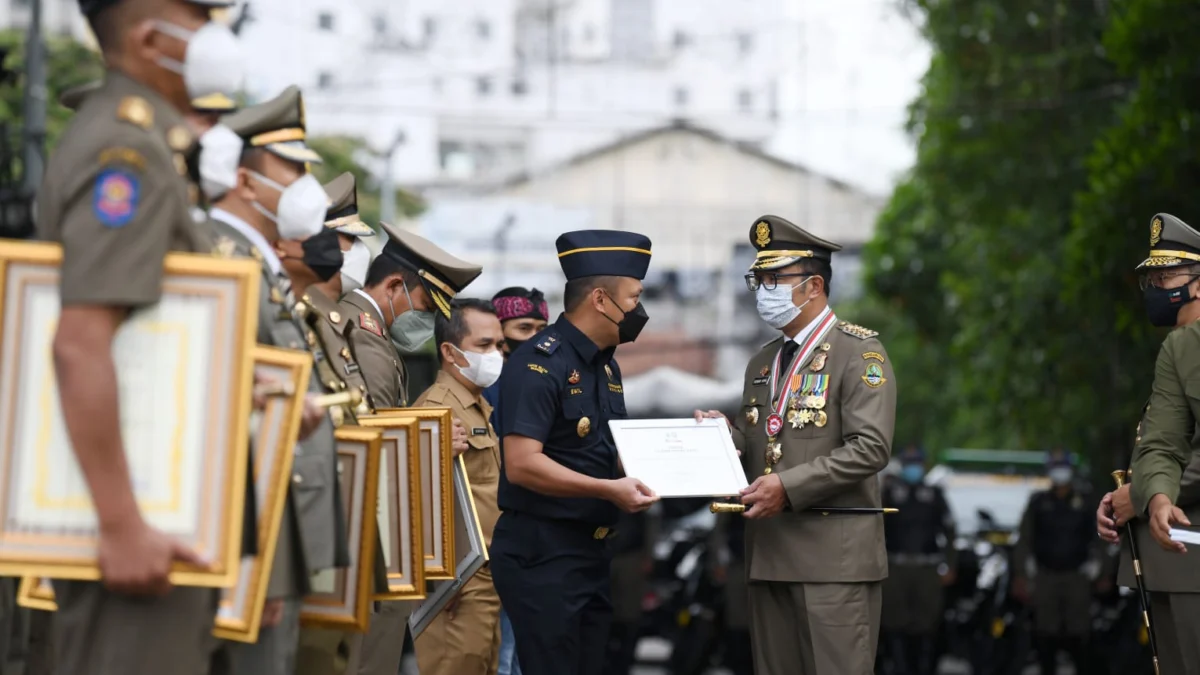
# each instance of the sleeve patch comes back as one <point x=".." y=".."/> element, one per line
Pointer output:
<point x="874" y="355"/>
<point x="537" y="369"/>
<point x="115" y="199"/>
<point x="874" y="376"/>
<point x="126" y="156"/>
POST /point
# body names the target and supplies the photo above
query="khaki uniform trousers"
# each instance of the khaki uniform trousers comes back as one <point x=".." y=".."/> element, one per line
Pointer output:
<point x="97" y="632"/>
<point x="1176" y="621"/>
<point x="380" y="651"/>
<point x="913" y="599"/>
<point x="814" y="629"/>
<point x="323" y="652"/>
<point x="1062" y="603"/>
<point x="468" y="644"/>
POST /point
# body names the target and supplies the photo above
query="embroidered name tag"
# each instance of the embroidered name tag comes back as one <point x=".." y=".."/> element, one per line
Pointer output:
<point x="479" y="431"/>
<point x="574" y="391"/>
<point x="615" y="388"/>
<point x="760" y="381"/>
<point x="351" y="368"/>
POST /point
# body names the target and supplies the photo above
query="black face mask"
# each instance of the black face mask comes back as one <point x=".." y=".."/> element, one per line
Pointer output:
<point x="323" y="254"/>
<point x="631" y="324"/>
<point x="1163" y="304"/>
<point x="512" y="345"/>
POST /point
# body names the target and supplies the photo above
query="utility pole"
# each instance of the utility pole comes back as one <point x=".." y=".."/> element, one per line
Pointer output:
<point x="501" y="241"/>
<point x="34" y="134"/>
<point x="387" y="198"/>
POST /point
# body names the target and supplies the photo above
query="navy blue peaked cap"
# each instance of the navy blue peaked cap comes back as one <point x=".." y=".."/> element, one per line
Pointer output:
<point x="591" y="253"/>
<point x="913" y="453"/>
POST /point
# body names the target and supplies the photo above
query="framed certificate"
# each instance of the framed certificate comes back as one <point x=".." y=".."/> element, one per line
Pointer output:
<point x="472" y="553"/>
<point x="36" y="593"/>
<point x="437" y="487"/>
<point x="341" y="598"/>
<point x="400" y="504"/>
<point x="680" y="458"/>
<point x="185" y="371"/>
<point x="276" y="430"/>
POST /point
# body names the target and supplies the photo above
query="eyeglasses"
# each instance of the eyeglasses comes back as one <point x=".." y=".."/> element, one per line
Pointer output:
<point x="767" y="281"/>
<point x="1157" y="279"/>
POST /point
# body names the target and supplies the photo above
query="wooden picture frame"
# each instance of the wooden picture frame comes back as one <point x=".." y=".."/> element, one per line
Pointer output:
<point x="341" y="598"/>
<point x="239" y="615"/>
<point x="437" y="487"/>
<point x="473" y="554"/>
<point x="400" y="504"/>
<point x="185" y="365"/>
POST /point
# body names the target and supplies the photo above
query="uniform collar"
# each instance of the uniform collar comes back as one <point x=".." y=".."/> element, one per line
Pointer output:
<point x="372" y="301"/>
<point x="254" y="236"/>
<point x="456" y="388"/>
<point x="812" y="326"/>
<point x="582" y="343"/>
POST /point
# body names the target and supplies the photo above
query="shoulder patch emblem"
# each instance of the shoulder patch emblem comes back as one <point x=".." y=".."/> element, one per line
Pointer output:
<point x="126" y="156"/>
<point x="367" y="323"/>
<point x="857" y="331"/>
<point x="115" y="197"/>
<point x="137" y="111"/>
<point x="873" y="376"/>
<point x="873" y="355"/>
<point x="226" y="248"/>
<point x="548" y="344"/>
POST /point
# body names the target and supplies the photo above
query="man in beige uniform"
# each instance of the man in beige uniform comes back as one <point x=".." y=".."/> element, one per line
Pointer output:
<point x="116" y="197"/>
<point x="407" y="283"/>
<point x="249" y="220"/>
<point x="465" y="638"/>
<point x="815" y="429"/>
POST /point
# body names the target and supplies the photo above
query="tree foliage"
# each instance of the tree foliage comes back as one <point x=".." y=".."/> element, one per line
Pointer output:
<point x="1048" y="135"/>
<point x="342" y="154"/>
<point x="68" y="64"/>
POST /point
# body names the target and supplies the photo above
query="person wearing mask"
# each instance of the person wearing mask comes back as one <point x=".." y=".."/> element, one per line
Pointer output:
<point x="464" y="639"/>
<point x="1054" y="548"/>
<point x="275" y="214"/>
<point x="1164" y="483"/>
<point x="408" y="284"/>
<point x="561" y="486"/>
<point x="921" y="561"/>
<point x="817" y="415"/>
<point x="523" y="313"/>
<point x="116" y="198"/>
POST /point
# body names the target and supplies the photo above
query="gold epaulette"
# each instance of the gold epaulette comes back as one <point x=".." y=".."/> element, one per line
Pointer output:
<point x="857" y="331"/>
<point x="137" y="111"/>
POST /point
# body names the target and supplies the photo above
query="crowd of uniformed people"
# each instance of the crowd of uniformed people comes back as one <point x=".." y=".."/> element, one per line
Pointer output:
<point x="817" y="570"/>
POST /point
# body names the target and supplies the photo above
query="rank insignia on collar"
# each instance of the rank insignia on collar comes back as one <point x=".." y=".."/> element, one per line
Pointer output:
<point x="367" y="323"/>
<point x="766" y="370"/>
<point x="574" y="378"/>
<point x="608" y="370"/>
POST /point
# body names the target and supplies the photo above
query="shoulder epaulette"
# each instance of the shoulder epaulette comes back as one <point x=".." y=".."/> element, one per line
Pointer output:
<point x="857" y="331"/>
<point x="548" y="343"/>
<point x="137" y="111"/>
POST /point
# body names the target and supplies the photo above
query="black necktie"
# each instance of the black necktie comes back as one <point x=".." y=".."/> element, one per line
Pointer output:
<point x="789" y="352"/>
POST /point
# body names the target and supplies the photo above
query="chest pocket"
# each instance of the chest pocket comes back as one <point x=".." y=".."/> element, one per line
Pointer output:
<point x="580" y="421"/>
<point x="483" y="459"/>
<point x="616" y="404"/>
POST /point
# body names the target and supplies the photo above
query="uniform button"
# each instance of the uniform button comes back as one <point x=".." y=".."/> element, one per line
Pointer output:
<point x="297" y="479"/>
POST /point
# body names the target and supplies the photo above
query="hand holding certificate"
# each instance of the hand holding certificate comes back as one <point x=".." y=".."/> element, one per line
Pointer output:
<point x="680" y="458"/>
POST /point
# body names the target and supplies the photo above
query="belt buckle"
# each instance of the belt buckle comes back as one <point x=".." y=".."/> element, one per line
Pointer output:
<point x="601" y="533"/>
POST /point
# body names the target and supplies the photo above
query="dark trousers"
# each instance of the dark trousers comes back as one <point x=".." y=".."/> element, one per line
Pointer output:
<point x="553" y="581"/>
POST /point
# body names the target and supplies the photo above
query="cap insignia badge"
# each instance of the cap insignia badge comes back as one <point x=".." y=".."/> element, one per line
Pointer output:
<point x="762" y="234"/>
<point x="1156" y="231"/>
<point x="608" y="371"/>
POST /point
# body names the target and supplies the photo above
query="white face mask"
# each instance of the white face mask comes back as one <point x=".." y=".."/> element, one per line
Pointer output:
<point x="220" y="156"/>
<point x="482" y="369"/>
<point x="1061" y="475"/>
<point x="354" y="266"/>
<point x="212" y="63"/>
<point x="776" y="307"/>
<point x="302" y="206"/>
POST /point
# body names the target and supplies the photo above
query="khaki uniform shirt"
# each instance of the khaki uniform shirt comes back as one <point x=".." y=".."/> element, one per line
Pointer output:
<point x="836" y="464"/>
<point x="332" y="326"/>
<point x="483" y="457"/>
<point x="382" y="367"/>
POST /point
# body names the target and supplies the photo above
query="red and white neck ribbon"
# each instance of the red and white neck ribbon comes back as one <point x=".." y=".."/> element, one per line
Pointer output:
<point x="824" y="325"/>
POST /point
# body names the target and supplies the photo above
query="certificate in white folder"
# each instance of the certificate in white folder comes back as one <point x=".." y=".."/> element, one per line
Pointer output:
<point x="680" y="457"/>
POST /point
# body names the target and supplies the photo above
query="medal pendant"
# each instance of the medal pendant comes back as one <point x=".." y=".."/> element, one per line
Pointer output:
<point x="752" y="416"/>
<point x="818" y="402"/>
<point x="822" y="419"/>
<point x="774" y="453"/>
<point x="794" y="419"/>
<point x="819" y="362"/>
<point x="806" y="417"/>
<point x="774" y="425"/>
<point x="794" y="403"/>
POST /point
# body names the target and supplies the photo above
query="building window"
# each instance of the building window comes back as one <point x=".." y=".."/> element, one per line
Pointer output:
<point x="745" y="100"/>
<point x="324" y="80"/>
<point x="745" y="43"/>
<point x="519" y="87"/>
<point x="483" y="85"/>
<point x="589" y="34"/>
<point x="681" y="96"/>
<point x="681" y="39"/>
<point x="483" y="29"/>
<point x="325" y="21"/>
<point x="430" y="27"/>
<point x="380" y="24"/>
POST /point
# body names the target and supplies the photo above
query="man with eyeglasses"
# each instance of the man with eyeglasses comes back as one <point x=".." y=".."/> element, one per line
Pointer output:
<point x="815" y="429"/>
<point x="1165" y="487"/>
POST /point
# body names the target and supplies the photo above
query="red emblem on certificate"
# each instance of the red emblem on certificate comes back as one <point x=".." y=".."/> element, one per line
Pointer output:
<point x="774" y="424"/>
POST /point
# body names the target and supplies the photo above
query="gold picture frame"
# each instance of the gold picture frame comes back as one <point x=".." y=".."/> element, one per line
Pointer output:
<point x="341" y="598"/>
<point x="400" y="504"/>
<point x="186" y="369"/>
<point x="437" y="487"/>
<point x="239" y="615"/>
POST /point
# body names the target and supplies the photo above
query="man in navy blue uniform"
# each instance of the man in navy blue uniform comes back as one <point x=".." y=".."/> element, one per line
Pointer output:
<point x="562" y="486"/>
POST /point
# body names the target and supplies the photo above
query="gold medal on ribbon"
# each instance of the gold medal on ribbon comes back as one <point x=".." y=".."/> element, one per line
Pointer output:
<point x="752" y="416"/>
<point x="794" y="419"/>
<point x="584" y="426"/>
<point x="818" y="402"/>
<point x="822" y="419"/>
<point x="806" y="417"/>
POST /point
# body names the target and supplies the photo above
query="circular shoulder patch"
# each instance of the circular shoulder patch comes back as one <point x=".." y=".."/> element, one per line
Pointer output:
<point x="115" y="198"/>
